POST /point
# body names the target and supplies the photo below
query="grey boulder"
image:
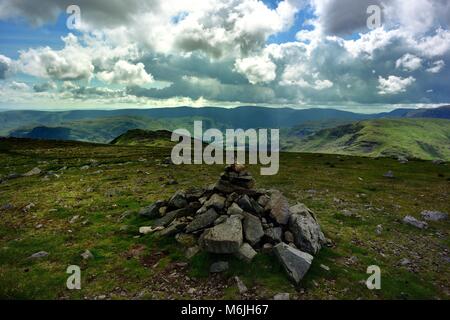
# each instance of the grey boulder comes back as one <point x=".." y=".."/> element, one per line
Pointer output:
<point x="414" y="222"/>
<point x="306" y="231"/>
<point x="202" y="221"/>
<point x="296" y="263"/>
<point x="279" y="207"/>
<point x="152" y="211"/>
<point x="274" y="234"/>
<point x="246" y="253"/>
<point x="178" y="200"/>
<point x="224" y="238"/>
<point x="253" y="230"/>
<point x="216" y="201"/>
<point x="434" y="215"/>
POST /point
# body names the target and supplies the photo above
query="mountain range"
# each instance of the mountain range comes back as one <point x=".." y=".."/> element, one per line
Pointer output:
<point x="309" y="130"/>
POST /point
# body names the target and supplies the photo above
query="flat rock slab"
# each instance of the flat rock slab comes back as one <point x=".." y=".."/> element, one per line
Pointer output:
<point x="434" y="215"/>
<point x="414" y="222"/>
<point x="172" y="215"/>
<point x="202" y="221"/>
<point x="223" y="238"/>
<point x="296" y="263"/>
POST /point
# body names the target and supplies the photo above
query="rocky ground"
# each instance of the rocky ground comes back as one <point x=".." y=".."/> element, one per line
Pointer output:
<point x="64" y="203"/>
<point x="231" y="217"/>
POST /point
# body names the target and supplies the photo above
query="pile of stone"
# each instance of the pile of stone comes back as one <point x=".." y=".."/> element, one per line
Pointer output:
<point x="232" y="217"/>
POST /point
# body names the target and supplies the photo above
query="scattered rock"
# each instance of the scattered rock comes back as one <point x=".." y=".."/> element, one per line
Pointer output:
<point x="223" y="238"/>
<point x="202" y="221"/>
<point x="253" y="229"/>
<point x="281" y="296"/>
<point x="263" y="200"/>
<point x="241" y="286"/>
<point x="295" y="262"/>
<point x="274" y="234"/>
<point x="234" y="209"/>
<point x="74" y="219"/>
<point x="33" y="172"/>
<point x="249" y="205"/>
<point x="434" y="215"/>
<point x="379" y="229"/>
<point x="389" y="175"/>
<point x="220" y="220"/>
<point x="324" y="267"/>
<point x="28" y="207"/>
<point x="405" y="262"/>
<point x="170" y="216"/>
<point x="178" y="200"/>
<point x="279" y="208"/>
<point x="186" y="240"/>
<point x="218" y="267"/>
<point x="307" y="234"/>
<point x="152" y="211"/>
<point x="192" y="251"/>
<point x="232" y="218"/>
<point x="147" y="230"/>
<point x="39" y="255"/>
<point x="87" y="255"/>
<point x="414" y="222"/>
<point x="175" y="227"/>
<point x="216" y="201"/>
<point x="288" y="237"/>
<point x="246" y="253"/>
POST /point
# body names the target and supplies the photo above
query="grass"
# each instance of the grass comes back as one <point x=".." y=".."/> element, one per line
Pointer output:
<point x="412" y="138"/>
<point x="130" y="266"/>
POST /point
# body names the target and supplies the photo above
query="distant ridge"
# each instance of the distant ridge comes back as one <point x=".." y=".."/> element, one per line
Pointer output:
<point x="411" y="138"/>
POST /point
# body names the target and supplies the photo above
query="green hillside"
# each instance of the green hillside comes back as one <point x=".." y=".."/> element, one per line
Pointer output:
<point x="101" y="130"/>
<point x="411" y="138"/>
<point x="88" y="196"/>
<point x="159" y="138"/>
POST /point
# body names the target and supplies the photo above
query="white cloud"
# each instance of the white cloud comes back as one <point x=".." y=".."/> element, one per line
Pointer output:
<point x="436" y="66"/>
<point x="20" y="86"/>
<point x="5" y="65"/>
<point x="45" y="86"/>
<point x="127" y="74"/>
<point x="70" y="63"/>
<point x="394" y="84"/>
<point x="409" y="62"/>
<point x="257" y="69"/>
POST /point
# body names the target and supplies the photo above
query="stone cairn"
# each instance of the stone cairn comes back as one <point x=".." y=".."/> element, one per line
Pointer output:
<point x="232" y="217"/>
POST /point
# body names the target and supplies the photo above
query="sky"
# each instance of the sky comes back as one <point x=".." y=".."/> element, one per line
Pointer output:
<point x="166" y="53"/>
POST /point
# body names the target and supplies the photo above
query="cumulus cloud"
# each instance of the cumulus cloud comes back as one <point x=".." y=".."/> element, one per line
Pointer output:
<point x="219" y="50"/>
<point x="409" y="62"/>
<point x="126" y="73"/>
<point x="436" y="66"/>
<point x="45" y="86"/>
<point x="19" y="86"/>
<point x="5" y="64"/>
<point x="70" y="63"/>
<point x="257" y="69"/>
<point x="394" y="85"/>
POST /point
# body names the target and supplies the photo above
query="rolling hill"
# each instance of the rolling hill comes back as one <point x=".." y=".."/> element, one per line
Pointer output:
<point x="411" y="138"/>
<point x="159" y="138"/>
